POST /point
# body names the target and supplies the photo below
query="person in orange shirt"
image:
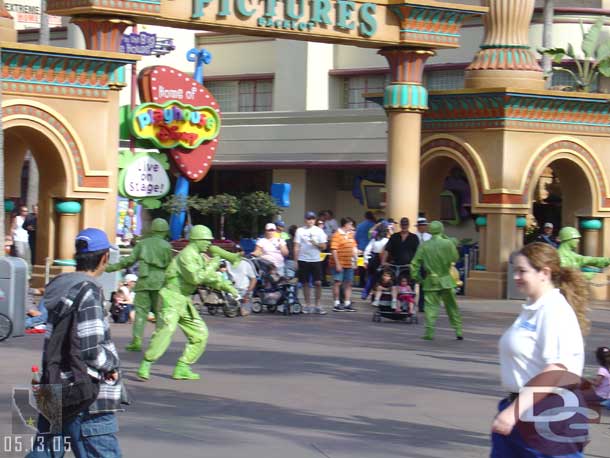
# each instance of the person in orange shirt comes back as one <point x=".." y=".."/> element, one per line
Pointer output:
<point x="344" y="252"/>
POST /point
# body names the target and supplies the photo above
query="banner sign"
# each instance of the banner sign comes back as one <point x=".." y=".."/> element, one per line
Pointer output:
<point x="138" y="43"/>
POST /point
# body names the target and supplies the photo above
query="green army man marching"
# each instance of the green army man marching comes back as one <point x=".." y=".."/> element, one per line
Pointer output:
<point x="569" y="238"/>
<point x="185" y="273"/>
<point x="153" y="254"/>
<point x="437" y="257"/>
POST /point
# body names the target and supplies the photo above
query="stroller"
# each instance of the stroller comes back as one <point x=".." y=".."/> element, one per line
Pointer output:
<point x="385" y="308"/>
<point x="274" y="292"/>
<point x="214" y="300"/>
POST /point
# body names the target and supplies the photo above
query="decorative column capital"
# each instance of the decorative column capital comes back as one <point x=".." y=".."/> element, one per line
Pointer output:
<point x="68" y="208"/>
<point x="101" y="33"/>
<point x="505" y="57"/>
<point x="406" y="92"/>
<point x="591" y="224"/>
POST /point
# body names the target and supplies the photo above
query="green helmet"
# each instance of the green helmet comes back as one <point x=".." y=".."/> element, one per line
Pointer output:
<point x="568" y="233"/>
<point x="159" y="225"/>
<point x="200" y="232"/>
<point x="436" y="228"/>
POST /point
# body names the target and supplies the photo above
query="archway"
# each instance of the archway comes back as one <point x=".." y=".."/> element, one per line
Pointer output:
<point x="21" y="136"/>
<point x="563" y="192"/>
<point x="446" y="193"/>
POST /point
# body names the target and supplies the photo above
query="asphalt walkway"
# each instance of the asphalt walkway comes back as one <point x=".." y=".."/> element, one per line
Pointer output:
<point x="334" y="386"/>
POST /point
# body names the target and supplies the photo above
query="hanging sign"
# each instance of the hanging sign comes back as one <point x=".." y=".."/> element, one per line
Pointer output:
<point x="143" y="177"/>
<point x="142" y="43"/>
<point x="162" y="85"/>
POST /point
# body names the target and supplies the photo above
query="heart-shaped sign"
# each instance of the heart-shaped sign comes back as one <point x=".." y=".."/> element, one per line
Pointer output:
<point x="160" y="84"/>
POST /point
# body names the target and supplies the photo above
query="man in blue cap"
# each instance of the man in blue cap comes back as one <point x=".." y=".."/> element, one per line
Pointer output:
<point x="78" y="296"/>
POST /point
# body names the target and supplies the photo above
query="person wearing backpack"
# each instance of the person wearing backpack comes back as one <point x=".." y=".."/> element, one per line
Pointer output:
<point x="80" y="358"/>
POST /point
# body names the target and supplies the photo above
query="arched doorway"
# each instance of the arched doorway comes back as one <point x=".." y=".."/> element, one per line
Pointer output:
<point x="563" y="192"/>
<point x="21" y="137"/>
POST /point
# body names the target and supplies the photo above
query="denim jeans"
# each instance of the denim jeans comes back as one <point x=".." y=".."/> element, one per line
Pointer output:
<point x="88" y="436"/>
<point x="31" y="321"/>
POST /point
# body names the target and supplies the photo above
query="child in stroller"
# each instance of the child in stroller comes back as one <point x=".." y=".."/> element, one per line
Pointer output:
<point x="395" y="302"/>
<point x="274" y="292"/>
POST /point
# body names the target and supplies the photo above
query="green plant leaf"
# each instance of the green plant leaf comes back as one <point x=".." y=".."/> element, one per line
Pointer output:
<point x="571" y="51"/>
<point x="590" y="39"/>
<point x="603" y="51"/>
<point x="604" y="67"/>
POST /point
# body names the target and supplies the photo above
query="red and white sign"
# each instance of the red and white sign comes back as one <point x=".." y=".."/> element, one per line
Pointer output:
<point x="160" y="84"/>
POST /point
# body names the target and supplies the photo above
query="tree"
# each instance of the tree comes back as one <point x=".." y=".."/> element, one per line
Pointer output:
<point x="595" y="59"/>
<point x="175" y="204"/>
<point x="221" y="205"/>
<point x="257" y="204"/>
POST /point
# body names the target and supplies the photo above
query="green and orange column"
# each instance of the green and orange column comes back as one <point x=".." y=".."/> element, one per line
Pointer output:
<point x="405" y="100"/>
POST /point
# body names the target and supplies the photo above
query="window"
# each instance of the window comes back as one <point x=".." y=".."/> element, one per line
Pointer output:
<point x="561" y="80"/>
<point x="244" y="95"/>
<point x="356" y="87"/>
<point x="255" y="95"/>
<point x="444" y="80"/>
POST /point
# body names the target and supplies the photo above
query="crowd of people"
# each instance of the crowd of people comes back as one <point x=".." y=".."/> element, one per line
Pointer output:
<point x="544" y="345"/>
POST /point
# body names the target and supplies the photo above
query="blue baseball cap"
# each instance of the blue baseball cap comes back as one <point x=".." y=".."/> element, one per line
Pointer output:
<point x="280" y="223"/>
<point x="310" y="215"/>
<point x="96" y="239"/>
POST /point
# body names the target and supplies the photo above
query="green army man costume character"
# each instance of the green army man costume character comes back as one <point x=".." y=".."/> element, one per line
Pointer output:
<point x="153" y="254"/>
<point x="569" y="238"/>
<point x="437" y="256"/>
<point x="186" y="271"/>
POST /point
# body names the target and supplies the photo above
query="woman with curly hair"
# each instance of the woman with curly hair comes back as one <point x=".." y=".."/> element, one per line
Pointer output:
<point x="546" y="338"/>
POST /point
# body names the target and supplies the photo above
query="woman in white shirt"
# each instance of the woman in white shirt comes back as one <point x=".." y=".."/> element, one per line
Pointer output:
<point x="272" y="248"/>
<point x="372" y="258"/>
<point x="543" y="347"/>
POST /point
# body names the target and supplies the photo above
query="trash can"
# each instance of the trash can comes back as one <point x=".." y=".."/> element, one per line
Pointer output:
<point x="13" y="291"/>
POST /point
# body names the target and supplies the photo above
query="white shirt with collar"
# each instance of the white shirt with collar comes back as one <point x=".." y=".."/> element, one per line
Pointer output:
<point x="423" y="236"/>
<point x="545" y="332"/>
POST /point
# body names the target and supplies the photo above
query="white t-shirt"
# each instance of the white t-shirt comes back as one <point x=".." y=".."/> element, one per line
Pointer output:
<point x="242" y="274"/>
<point x="271" y="251"/>
<point x="545" y="332"/>
<point x="19" y="233"/>
<point x="423" y="236"/>
<point x="304" y="237"/>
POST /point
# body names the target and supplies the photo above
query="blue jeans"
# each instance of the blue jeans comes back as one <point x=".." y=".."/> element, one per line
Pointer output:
<point x="513" y="445"/>
<point x="31" y="321"/>
<point x="88" y="436"/>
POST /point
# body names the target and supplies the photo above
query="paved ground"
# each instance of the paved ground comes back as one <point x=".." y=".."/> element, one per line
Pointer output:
<point x="308" y="386"/>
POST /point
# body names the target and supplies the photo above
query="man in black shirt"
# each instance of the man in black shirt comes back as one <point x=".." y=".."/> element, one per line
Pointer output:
<point x="401" y="247"/>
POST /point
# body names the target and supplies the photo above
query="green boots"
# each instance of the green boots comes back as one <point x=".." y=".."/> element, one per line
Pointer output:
<point x="135" y="345"/>
<point x="144" y="370"/>
<point x="182" y="371"/>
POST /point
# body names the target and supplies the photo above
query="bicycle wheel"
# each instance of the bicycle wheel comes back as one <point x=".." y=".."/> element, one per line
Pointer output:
<point x="6" y="327"/>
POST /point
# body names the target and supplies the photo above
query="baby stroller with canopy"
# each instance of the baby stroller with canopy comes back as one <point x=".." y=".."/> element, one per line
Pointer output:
<point x="273" y="292"/>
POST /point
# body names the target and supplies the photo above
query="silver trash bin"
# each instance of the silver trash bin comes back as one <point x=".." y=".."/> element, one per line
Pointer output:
<point x="13" y="291"/>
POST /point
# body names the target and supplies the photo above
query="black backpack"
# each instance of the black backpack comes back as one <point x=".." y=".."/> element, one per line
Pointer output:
<point x="63" y="354"/>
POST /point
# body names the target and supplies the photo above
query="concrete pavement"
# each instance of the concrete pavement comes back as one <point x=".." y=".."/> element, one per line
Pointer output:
<point x="332" y="386"/>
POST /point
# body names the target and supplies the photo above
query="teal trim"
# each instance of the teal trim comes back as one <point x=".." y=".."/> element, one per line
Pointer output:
<point x="481" y="221"/>
<point x="504" y="46"/>
<point x="68" y="207"/>
<point x="480" y="267"/>
<point x="504" y="118"/>
<point x="427" y="32"/>
<point x="9" y="206"/>
<point x="591" y="224"/>
<point x="521" y="222"/>
<point x="406" y="96"/>
<point x="64" y="262"/>
<point x="45" y="83"/>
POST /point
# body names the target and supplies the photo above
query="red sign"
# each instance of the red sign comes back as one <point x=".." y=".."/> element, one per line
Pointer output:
<point x="161" y="84"/>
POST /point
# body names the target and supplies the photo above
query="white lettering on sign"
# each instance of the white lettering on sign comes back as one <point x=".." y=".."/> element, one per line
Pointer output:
<point x="145" y="177"/>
